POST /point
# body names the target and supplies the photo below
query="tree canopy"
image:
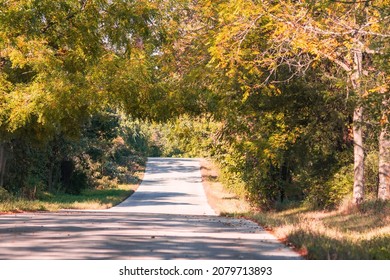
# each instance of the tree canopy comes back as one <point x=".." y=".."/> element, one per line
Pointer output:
<point x="295" y="92"/>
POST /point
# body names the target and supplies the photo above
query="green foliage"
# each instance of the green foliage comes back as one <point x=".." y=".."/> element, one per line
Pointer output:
<point x="183" y="137"/>
<point x="262" y="87"/>
<point x="338" y="187"/>
<point x="371" y="169"/>
<point x="77" y="183"/>
<point x="379" y="247"/>
<point x="109" y="149"/>
<point x="331" y="193"/>
<point x="5" y="195"/>
<point x="277" y="77"/>
<point x="62" y="64"/>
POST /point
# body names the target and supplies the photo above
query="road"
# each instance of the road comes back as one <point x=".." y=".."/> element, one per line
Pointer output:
<point x="168" y="217"/>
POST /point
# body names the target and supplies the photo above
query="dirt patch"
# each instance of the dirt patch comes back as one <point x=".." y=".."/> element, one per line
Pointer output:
<point x="11" y="212"/>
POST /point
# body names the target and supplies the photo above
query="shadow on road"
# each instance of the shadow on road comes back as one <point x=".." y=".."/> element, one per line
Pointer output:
<point x="69" y="235"/>
<point x="168" y="217"/>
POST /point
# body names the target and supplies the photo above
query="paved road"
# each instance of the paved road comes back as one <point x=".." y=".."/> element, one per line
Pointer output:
<point x="170" y="186"/>
<point x="167" y="218"/>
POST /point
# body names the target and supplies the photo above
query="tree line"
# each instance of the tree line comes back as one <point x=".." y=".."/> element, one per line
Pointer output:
<point x="290" y="97"/>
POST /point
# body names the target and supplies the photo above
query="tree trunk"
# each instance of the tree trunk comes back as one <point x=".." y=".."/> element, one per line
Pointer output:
<point x="358" y="148"/>
<point x="384" y="156"/>
<point x="358" y="185"/>
<point x="3" y="160"/>
<point x="50" y="176"/>
<point x="384" y="165"/>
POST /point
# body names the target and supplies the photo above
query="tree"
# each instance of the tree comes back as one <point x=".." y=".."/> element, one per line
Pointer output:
<point x="59" y="60"/>
<point x="384" y="137"/>
<point x="299" y="34"/>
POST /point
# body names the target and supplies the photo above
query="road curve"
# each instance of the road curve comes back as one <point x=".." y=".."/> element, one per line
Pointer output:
<point x="169" y="186"/>
<point x="167" y="218"/>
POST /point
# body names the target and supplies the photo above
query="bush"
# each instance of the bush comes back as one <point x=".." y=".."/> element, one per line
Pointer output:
<point x="106" y="183"/>
<point x="33" y="187"/>
<point x="5" y="195"/>
<point x="78" y="182"/>
<point x="371" y="170"/>
<point x="330" y="194"/>
<point x="339" y="186"/>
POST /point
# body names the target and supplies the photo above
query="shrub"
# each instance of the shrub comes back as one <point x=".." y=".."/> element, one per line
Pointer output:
<point x="5" y="195"/>
<point x="78" y="182"/>
<point x="371" y="170"/>
<point x="33" y="187"/>
<point x="330" y="194"/>
<point x="339" y="186"/>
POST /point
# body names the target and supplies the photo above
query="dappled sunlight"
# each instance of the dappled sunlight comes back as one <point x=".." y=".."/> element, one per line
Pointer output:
<point x="361" y="224"/>
<point x="169" y="186"/>
<point x="69" y="235"/>
<point x="332" y="234"/>
<point x="93" y="199"/>
<point x="91" y="205"/>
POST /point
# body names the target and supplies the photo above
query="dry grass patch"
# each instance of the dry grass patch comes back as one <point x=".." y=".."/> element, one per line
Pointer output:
<point x="347" y="233"/>
<point x="223" y="201"/>
<point x="354" y="233"/>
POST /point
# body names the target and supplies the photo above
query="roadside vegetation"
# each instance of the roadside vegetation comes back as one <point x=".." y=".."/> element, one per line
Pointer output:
<point x="96" y="170"/>
<point x="91" y="199"/>
<point x="290" y="99"/>
<point x="349" y="232"/>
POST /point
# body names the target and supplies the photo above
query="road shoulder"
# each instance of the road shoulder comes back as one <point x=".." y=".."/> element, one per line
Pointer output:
<point x="223" y="201"/>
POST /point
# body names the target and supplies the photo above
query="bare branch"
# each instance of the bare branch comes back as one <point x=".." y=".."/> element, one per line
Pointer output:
<point x="340" y="63"/>
<point x="352" y="2"/>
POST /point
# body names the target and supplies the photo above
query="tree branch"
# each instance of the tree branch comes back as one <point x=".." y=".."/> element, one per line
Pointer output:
<point x="340" y="63"/>
<point x="50" y="24"/>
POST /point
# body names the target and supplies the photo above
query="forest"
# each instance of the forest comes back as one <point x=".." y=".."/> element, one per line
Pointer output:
<point x="289" y="98"/>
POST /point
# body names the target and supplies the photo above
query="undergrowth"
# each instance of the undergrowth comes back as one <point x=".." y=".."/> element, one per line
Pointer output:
<point x="349" y="232"/>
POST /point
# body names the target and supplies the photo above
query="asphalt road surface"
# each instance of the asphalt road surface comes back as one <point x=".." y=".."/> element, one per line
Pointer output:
<point x="168" y="217"/>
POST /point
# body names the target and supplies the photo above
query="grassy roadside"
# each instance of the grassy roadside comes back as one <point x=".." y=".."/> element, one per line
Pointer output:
<point x="91" y="199"/>
<point x="223" y="201"/>
<point x="88" y="199"/>
<point x="346" y="233"/>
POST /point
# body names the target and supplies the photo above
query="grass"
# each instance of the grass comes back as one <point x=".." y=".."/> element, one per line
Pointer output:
<point x="347" y="233"/>
<point x="344" y="234"/>
<point x="224" y="202"/>
<point x="92" y="199"/>
<point x="89" y="199"/>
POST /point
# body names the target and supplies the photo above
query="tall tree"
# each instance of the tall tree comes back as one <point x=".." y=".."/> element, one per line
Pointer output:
<point x="61" y="61"/>
<point x="299" y="34"/>
<point x="384" y="137"/>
